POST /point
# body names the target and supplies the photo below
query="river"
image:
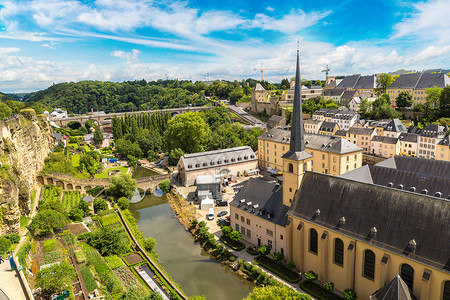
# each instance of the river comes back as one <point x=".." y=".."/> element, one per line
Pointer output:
<point x="187" y="263"/>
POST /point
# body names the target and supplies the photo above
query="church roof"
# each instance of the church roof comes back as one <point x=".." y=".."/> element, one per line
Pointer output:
<point x="399" y="216"/>
<point x="267" y="196"/>
<point x="325" y="143"/>
<point x="259" y="87"/>
<point x="396" y="289"/>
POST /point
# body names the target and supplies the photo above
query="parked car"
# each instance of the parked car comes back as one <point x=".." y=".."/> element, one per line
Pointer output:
<point x="223" y="221"/>
<point x="210" y="215"/>
<point x="222" y="213"/>
<point x="221" y="203"/>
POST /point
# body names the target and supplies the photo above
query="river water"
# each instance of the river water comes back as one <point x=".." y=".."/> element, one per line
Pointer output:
<point x="187" y="263"/>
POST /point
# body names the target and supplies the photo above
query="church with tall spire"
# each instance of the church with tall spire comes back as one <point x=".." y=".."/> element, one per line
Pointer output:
<point x="296" y="161"/>
<point x="259" y="209"/>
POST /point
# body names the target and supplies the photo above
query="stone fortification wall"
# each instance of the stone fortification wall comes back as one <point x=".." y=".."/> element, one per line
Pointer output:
<point x="25" y="141"/>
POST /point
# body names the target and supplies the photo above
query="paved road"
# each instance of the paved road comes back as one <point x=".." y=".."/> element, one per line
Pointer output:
<point x="240" y="112"/>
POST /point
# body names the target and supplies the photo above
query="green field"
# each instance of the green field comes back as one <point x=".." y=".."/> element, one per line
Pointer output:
<point x="70" y="200"/>
<point x="104" y="174"/>
<point x="75" y="160"/>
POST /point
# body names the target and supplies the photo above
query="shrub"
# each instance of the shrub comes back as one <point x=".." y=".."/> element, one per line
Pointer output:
<point x="252" y="250"/>
<point x="202" y="224"/>
<point x="277" y="256"/>
<point x="149" y="243"/>
<point x="278" y="269"/>
<point x="350" y="294"/>
<point x="235" y="236"/>
<point x="235" y="245"/>
<point x="55" y="278"/>
<point x="291" y="265"/>
<point x="264" y="249"/>
<point x="194" y="222"/>
<point x="100" y="204"/>
<point x="123" y="203"/>
<point x="226" y="230"/>
<point x="84" y="236"/>
<point x="311" y="276"/>
<point x="165" y="185"/>
<point x="329" y="286"/>
<point x="13" y="237"/>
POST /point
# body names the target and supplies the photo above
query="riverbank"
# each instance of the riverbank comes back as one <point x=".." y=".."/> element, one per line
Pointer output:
<point x="185" y="212"/>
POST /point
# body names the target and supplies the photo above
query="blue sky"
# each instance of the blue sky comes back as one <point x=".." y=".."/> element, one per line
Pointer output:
<point x="46" y="41"/>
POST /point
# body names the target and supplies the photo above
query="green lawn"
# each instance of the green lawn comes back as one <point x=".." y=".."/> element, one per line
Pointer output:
<point x="75" y="160"/>
<point x="104" y="174"/>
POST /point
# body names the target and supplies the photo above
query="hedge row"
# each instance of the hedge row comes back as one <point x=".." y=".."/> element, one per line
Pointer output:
<point x="235" y="245"/>
<point x="277" y="268"/>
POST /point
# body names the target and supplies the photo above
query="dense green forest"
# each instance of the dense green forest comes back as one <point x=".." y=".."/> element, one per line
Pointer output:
<point x="147" y="135"/>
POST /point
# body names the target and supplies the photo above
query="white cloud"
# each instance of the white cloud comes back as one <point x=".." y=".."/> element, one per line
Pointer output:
<point x="5" y="50"/>
<point x="430" y="53"/>
<point x="129" y="56"/>
<point x="429" y="21"/>
<point x="270" y="8"/>
<point x="291" y="23"/>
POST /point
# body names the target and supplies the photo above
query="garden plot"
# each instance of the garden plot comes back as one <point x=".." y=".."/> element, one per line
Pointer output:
<point x="133" y="259"/>
<point x="70" y="200"/>
<point x="77" y="228"/>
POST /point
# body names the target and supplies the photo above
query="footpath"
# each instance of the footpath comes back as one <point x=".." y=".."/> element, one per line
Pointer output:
<point x="10" y="281"/>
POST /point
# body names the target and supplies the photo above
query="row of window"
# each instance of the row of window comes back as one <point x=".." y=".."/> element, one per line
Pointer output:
<point x="428" y="146"/>
<point x="369" y="259"/>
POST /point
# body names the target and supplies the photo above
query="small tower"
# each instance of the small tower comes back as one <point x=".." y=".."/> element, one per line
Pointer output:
<point x="296" y="161"/>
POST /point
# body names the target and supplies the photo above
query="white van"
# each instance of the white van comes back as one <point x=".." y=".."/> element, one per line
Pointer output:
<point x="210" y="215"/>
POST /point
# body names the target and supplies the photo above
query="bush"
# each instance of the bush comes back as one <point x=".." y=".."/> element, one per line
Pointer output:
<point x="94" y="191"/>
<point x="264" y="249"/>
<point x="291" y="265"/>
<point x="100" y="204"/>
<point x="194" y="222"/>
<point x="4" y="244"/>
<point x="123" y="203"/>
<point x="311" y="276"/>
<point x="235" y="245"/>
<point x="235" y="236"/>
<point x="226" y="231"/>
<point x="350" y="294"/>
<point x="252" y="250"/>
<point x="202" y="224"/>
<point x="329" y="286"/>
<point x="278" y="269"/>
<point x="84" y="236"/>
<point x="55" y="278"/>
<point x="13" y="237"/>
<point x="277" y="256"/>
<point x="165" y="185"/>
<point x="149" y="244"/>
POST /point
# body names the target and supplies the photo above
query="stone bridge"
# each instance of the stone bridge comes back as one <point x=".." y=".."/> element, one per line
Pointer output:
<point x="100" y="118"/>
<point x="68" y="182"/>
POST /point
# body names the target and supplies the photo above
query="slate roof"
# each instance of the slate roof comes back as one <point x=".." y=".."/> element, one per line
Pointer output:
<point x="408" y="137"/>
<point x="399" y="216"/>
<point x="445" y="141"/>
<point x="276" y="118"/>
<point x="366" y="82"/>
<point x="326" y="143"/>
<point x="384" y="139"/>
<point x="406" y="81"/>
<point x="360" y="131"/>
<point x="341" y="132"/>
<point x="349" y="81"/>
<point x="217" y="158"/>
<point x="395" y="126"/>
<point x="433" y="130"/>
<point x="334" y="92"/>
<point x="419" y="165"/>
<point x="259" y="87"/>
<point x="268" y="196"/>
<point x="428" y="80"/>
<point x="334" y="83"/>
<point x="396" y="289"/>
<point x="313" y="121"/>
<point x="328" y="126"/>
<point x="348" y="94"/>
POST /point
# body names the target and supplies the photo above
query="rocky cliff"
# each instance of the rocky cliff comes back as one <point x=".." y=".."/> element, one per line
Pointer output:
<point x="25" y="142"/>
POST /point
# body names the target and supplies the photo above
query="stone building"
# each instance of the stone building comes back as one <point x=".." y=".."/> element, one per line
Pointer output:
<point x="225" y="162"/>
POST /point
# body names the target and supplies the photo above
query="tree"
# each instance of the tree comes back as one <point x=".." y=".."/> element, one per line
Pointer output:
<point x="433" y="95"/>
<point x="56" y="278"/>
<point x="98" y="135"/>
<point x="76" y="214"/>
<point x="364" y="107"/>
<point x="122" y="185"/>
<point x="149" y="243"/>
<point x="132" y="160"/>
<point x="277" y="256"/>
<point x="226" y="230"/>
<point x="4" y="244"/>
<point x="404" y="99"/>
<point x="165" y="185"/>
<point x="285" y="85"/>
<point x="90" y="162"/>
<point x="123" y="203"/>
<point x="5" y="111"/>
<point x="264" y="249"/>
<point x="275" y="292"/>
<point x="99" y="205"/>
<point x="382" y="108"/>
<point x="46" y="220"/>
<point x="444" y="102"/>
<point x="235" y="236"/>
<point x="107" y="241"/>
<point x="383" y="82"/>
<point x="187" y="131"/>
<point x="84" y="206"/>
<point x="174" y="156"/>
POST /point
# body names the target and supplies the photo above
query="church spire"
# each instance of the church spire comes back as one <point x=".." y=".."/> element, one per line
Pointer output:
<point x="297" y="139"/>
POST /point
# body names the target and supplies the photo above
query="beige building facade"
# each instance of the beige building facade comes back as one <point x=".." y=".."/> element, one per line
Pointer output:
<point x="331" y="155"/>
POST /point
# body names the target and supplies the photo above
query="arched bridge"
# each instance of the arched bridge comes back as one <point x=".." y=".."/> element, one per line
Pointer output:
<point x="100" y="118"/>
<point x="68" y="182"/>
